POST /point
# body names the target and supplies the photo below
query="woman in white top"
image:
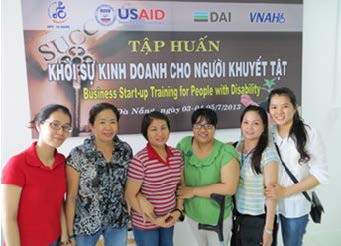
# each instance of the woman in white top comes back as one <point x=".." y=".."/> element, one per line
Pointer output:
<point x="303" y="153"/>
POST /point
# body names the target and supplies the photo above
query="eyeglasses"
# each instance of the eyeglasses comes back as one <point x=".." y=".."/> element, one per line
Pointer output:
<point x="205" y="126"/>
<point x="57" y="126"/>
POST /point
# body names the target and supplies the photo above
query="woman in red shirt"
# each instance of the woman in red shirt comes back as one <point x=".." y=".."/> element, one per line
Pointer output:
<point x="34" y="184"/>
<point x="153" y="177"/>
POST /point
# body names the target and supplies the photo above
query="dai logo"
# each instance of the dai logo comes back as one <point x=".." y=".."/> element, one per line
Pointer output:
<point x="205" y="16"/>
<point x="267" y="17"/>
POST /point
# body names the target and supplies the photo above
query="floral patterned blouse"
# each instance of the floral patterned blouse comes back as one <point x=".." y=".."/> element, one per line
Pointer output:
<point x="100" y="202"/>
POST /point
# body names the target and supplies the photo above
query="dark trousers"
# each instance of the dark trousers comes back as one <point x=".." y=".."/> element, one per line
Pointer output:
<point x="248" y="230"/>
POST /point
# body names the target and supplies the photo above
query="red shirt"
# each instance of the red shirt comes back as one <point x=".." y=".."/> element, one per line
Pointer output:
<point x="159" y="181"/>
<point x="41" y="197"/>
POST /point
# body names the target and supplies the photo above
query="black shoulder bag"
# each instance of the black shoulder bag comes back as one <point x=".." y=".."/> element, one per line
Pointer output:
<point x="316" y="206"/>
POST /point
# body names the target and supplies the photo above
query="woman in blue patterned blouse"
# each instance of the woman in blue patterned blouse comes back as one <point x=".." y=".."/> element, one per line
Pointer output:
<point x="255" y="215"/>
<point x="96" y="174"/>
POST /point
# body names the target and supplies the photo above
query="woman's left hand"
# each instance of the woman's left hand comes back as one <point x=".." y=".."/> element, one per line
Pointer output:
<point x="267" y="239"/>
<point x="64" y="240"/>
<point x="174" y="217"/>
<point x="275" y="192"/>
<point x="146" y="208"/>
<point x="164" y="221"/>
<point x="185" y="192"/>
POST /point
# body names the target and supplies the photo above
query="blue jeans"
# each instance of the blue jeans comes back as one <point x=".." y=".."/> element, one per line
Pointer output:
<point x="112" y="236"/>
<point x="293" y="230"/>
<point x="154" y="237"/>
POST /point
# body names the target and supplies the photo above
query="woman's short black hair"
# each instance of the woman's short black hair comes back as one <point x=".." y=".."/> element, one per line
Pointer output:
<point x="148" y="118"/>
<point x="205" y="114"/>
<point x="96" y="109"/>
<point x="45" y="113"/>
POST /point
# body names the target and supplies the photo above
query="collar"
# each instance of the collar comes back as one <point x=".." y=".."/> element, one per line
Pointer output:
<point x="277" y="138"/>
<point x="153" y="155"/>
<point x="32" y="158"/>
<point x="89" y="143"/>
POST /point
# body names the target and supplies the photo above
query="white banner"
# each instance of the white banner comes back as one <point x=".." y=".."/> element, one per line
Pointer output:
<point x="162" y="16"/>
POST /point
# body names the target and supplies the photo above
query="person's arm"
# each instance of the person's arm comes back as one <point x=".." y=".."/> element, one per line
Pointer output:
<point x="71" y="196"/>
<point x="279" y="192"/>
<point x="318" y="169"/>
<point x="176" y="214"/>
<point x="10" y="204"/>
<point x="137" y="201"/>
<point x="270" y="178"/>
<point x="229" y="175"/>
<point x="132" y="195"/>
<point x="64" y="237"/>
<point x="179" y="199"/>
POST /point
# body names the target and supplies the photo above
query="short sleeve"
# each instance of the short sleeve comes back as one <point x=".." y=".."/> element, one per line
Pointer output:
<point x="228" y="152"/>
<point x="269" y="155"/>
<point x="74" y="159"/>
<point x="12" y="173"/>
<point x="136" y="169"/>
<point x="185" y="144"/>
<point x="129" y="151"/>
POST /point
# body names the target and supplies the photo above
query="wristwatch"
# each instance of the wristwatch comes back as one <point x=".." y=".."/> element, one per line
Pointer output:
<point x="182" y="216"/>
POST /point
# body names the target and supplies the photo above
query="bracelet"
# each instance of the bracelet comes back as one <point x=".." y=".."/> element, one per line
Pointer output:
<point x="72" y="236"/>
<point x="267" y="231"/>
<point x="182" y="216"/>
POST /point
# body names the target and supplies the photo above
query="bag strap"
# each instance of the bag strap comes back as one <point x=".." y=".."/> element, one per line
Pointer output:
<point x="292" y="177"/>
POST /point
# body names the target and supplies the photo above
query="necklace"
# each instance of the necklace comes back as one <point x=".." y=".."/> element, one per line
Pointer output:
<point x="244" y="156"/>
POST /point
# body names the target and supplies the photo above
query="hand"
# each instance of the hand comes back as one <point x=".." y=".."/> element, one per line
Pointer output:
<point x="64" y="240"/>
<point x="174" y="217"/>
<point x="267" y="239"/>
<point x="246" y="100"/>
<point x="72" y="242"/>
<point x="69" y="242"/>
<point x="163" y="221"/>
<point x="185" y="192"/>
<point x="275" y="192"/>
<point x="146" y="208"/>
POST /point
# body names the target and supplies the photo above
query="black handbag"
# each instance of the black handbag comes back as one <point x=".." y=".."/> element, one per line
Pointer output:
<point x="316" y="209"/>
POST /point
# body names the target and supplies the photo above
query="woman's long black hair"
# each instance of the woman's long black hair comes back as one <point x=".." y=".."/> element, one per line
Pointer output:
<point x="263" y="139"/>
<point x="297" y="131"/>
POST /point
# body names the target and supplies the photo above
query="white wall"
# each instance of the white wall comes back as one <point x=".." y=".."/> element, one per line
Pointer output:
<point x="321" y="103"/>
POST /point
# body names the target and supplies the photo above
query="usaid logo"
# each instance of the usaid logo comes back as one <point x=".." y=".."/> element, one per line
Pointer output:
<point x="105" y="15"/>
<point x="213" y="16"/>
<point x="142" y="15"/>
<point x="57" y="11"/>
<point x="267" y="17"/>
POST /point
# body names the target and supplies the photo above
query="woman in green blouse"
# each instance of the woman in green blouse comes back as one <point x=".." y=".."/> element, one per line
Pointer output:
<point x="210" y="167"/>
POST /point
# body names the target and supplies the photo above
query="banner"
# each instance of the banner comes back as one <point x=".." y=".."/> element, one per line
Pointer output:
<point x="174" y="57"/>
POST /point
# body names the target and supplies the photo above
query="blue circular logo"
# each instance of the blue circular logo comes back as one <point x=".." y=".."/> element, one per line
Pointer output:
<point x="105" y="15"/>
<point x="57" y="11"/>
